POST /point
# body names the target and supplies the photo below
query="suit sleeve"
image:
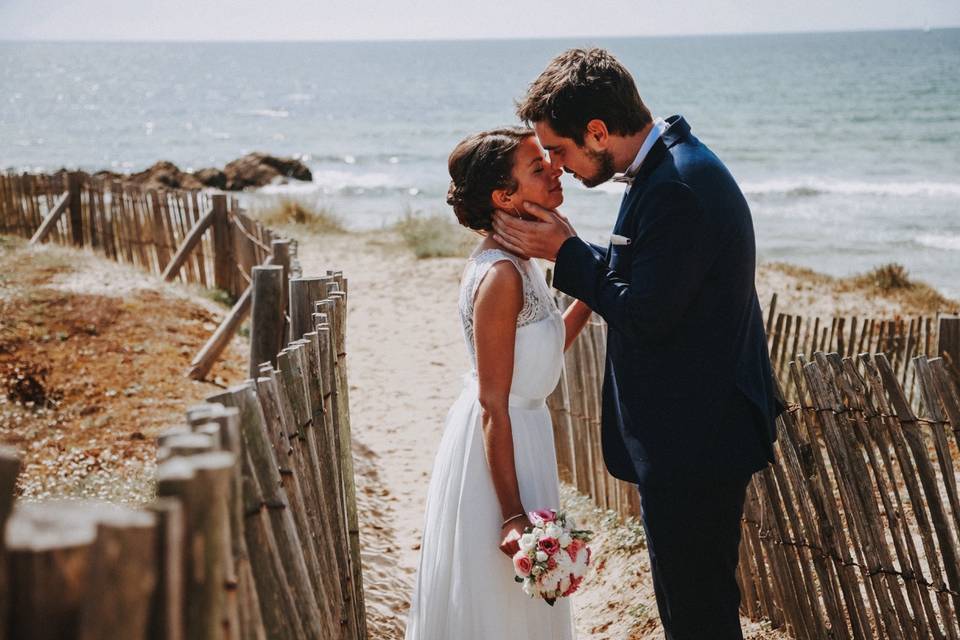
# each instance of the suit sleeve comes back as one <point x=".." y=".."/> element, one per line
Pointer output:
<point x="670" y="256"/>
<point x="601" y="252"/>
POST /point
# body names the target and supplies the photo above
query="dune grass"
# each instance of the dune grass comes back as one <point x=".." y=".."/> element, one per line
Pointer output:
<point x="893" y="281"/>
<point x="890" y="281"/>
<point x="434" y="236"/>
<point x="287" y="212"/>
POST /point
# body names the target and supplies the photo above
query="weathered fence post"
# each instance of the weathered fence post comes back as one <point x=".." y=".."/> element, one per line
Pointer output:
<point x="9" y="469"/>
<point x="75" y="206"/>
<point x="304" y="292"/>
<point x="121" y="578"/>
<point x="166" y="609"/>
<point x="201" y="482"/>
<point x="948" y="344"/>
<point x="266" y="318"/>
<point x="80" y="569"/>
<point x="240" y="585"/>
<point x="48" y="556"/>
<point x="223" y="265"/>
<point x="280" y="255"/>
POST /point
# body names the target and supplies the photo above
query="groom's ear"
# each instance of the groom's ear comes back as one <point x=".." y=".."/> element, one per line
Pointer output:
<point x="597" y="136"/>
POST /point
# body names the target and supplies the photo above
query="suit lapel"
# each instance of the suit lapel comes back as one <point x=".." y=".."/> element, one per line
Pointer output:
<point x="677" y="129"/>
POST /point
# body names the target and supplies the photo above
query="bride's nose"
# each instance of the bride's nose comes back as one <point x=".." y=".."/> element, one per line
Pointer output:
<point x="556" y="170"/>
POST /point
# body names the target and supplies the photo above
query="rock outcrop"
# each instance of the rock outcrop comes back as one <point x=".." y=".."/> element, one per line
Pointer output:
<point x="259" y="169"/>
<point x="251" y="171"/>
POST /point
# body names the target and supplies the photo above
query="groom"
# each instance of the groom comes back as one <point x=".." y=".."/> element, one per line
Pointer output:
<point x="688" y="403"/>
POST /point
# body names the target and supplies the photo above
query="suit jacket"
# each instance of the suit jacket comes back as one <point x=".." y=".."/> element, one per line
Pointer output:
<point x="688" y="388"/>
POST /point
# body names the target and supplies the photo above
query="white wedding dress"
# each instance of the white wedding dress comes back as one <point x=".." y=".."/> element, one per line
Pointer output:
<point x="465" y="588"/>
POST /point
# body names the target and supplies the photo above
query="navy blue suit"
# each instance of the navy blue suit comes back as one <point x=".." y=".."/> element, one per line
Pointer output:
<point x="688" y="398"/>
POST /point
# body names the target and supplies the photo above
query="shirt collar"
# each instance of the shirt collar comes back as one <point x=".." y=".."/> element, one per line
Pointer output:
<point x="659" y="126"/>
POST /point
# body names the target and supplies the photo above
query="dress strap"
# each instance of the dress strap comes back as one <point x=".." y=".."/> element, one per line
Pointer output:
<point x="486" y="259"/>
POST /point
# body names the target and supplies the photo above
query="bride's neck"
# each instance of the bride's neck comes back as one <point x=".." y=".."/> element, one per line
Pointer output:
<point x="489" y="243"/>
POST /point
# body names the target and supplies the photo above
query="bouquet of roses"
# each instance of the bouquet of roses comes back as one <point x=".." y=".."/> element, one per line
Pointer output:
<point x="553" y="556"/>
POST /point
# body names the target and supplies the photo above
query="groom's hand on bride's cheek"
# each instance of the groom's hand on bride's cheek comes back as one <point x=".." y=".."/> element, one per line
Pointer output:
<point x="539" y="238"/>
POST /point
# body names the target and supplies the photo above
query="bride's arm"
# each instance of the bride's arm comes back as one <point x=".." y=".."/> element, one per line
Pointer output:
<point x="574" y="319"/>
<point x="499" y="300"/>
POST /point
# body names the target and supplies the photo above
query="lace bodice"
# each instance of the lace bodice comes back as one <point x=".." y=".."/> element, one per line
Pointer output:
<point x="537" y="303"/>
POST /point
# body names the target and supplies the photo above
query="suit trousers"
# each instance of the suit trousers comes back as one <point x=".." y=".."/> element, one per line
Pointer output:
<point x="693" y="538"/>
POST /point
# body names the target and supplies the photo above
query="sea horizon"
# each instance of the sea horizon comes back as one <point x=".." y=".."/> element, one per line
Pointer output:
<point x="919" y="27"/>
<point x="844" y="142"/>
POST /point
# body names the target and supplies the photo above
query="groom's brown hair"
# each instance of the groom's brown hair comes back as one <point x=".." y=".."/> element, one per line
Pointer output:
<point x="581" y="85"/>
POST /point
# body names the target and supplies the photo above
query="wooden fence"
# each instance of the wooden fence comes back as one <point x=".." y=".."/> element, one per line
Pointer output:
<point x="855" y="532"/>
<point x="254" y="534"/>
<point x="194" y="236"/>
<point x="159" y="231"/>
<point x="900" y="339"/>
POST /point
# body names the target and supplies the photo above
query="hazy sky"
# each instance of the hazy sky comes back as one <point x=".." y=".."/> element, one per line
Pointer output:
<point x="454" y="19"/>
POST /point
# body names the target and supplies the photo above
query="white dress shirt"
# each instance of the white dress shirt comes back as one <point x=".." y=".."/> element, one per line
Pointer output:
<point x="659" y="126"/>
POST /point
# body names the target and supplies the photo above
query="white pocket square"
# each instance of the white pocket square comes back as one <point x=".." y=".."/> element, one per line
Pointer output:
<point x="619" y="241"/>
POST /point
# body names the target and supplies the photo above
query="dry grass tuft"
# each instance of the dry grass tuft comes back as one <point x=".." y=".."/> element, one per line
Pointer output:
<point x="434" y="236"/>
<point x="893" y="281"/>
<point x="887" y="277"/>
<point x="288" y="212"/>
<point x="888" y="284"/>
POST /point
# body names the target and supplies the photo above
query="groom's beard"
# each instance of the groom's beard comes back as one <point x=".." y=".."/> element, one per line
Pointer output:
<point x="603" y="160"/>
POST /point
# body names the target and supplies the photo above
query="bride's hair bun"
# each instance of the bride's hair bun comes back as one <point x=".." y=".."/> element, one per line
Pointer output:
<point x="454" y="194"/>
<point x="478" y="165"/>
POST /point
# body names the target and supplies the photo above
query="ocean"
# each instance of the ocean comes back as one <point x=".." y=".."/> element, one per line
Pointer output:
<point x="847" y="145"/>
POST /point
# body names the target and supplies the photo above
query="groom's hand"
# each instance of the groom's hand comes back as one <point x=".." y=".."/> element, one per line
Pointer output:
<point x="538" y="238"/>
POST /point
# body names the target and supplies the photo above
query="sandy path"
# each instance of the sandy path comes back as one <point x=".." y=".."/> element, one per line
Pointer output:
<point x="406" y="356"/>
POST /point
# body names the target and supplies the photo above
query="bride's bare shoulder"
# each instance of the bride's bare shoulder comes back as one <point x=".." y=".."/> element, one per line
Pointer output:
<point x="501" y="288"/>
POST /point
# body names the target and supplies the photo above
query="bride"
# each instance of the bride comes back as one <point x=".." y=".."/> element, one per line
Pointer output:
<point x="496" y="459"/>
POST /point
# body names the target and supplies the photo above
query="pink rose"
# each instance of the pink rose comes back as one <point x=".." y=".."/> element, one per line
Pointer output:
<point x="522" y="564"/>
<point x="549" y="545"/>
<point x="542" y="516"/>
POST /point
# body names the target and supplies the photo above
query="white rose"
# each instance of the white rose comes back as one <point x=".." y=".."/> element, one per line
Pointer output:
<point x="541" y="556"/>
<point x="527" y="541"/>
<point x="580" y="565"/>
<point x="538" y="532"/>
<point x="565" y="541"/>
<point x="553" y="531"/>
